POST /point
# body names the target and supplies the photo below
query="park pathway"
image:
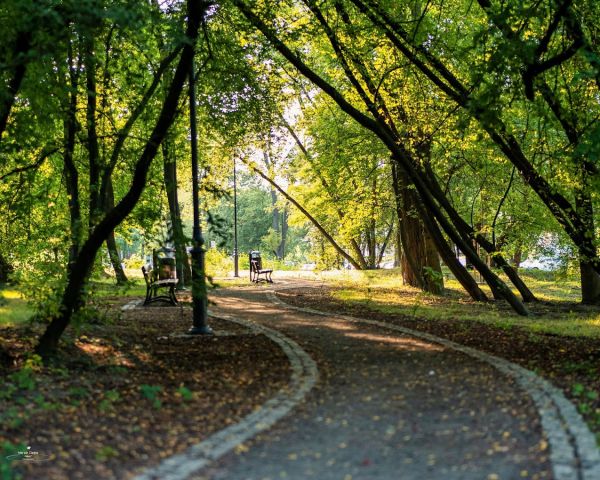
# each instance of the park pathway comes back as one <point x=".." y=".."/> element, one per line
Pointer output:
<point x="387" y="406"/>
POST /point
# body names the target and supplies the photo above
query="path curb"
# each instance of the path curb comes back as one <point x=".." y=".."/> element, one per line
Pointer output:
<point x="303" y="378"/>
<point x="573" y="451"/>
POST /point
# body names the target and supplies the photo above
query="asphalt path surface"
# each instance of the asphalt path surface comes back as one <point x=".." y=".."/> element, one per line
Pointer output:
<point x="386" y="406"/>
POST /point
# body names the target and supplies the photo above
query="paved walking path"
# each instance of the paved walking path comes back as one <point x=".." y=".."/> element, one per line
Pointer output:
<point x="387" y="406"/>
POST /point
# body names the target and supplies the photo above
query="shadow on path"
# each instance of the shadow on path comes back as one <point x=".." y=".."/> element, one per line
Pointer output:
<point x="387" y="406"/>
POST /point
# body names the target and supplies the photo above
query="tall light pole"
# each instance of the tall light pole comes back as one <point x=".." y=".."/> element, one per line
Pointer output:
<point x="199" y="296"/>
<point x="236" y="272"/>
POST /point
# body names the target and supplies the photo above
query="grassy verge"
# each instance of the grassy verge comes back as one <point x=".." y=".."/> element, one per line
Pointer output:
<point x="558" y="313"/>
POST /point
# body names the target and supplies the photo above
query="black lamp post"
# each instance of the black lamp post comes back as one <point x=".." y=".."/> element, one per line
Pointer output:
<point x="199" y="296"/>
<point x="236" y="272"/>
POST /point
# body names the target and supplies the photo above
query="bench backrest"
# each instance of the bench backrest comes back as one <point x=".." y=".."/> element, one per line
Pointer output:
<point x="167" y="270"/>
<point x="255" y="261"/>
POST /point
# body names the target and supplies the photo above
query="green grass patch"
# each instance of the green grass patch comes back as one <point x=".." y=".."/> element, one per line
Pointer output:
<point x="382" y="291"/>
<point x="136" y="287"/>
<point x="14" y="309"/>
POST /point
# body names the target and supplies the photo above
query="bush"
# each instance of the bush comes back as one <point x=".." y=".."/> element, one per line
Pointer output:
<point x="218" y="263"/>
<point x="135" y="262"/>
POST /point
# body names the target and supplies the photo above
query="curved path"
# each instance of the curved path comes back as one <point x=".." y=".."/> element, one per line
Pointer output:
<point x="387" y="406"/>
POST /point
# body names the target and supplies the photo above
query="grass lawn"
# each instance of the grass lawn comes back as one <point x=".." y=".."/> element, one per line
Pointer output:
<point x="13" y="308"/>
<point x="558" y="313"/>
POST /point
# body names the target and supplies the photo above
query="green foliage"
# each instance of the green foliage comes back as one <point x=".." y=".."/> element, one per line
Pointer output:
<point x="109" y="399"/>
<point x="134" y="262"/>
<point x="185" y="393"/>
<point x="587" y="403"/>
<point x="13" y="308"/>
<point x="433" y="275"/>
<point x="218" y="263"/>
<point x="7" y="471"/>
<point x="151" y="393"/>
<point x="24" y="378"/>
<point x="79" y="393"/>
<point x="254" y="220"/>
<point x="91" y="315"/>
<point x="106" y="453"/>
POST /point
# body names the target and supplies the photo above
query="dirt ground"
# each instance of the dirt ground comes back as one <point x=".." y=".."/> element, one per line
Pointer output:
<point x="126" y="394"/>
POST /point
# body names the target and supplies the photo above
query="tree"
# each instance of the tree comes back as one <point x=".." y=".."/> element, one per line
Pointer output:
<point x="377" y="122"/>
<point x="84" y="259"/>
<point x="479" y="83"/>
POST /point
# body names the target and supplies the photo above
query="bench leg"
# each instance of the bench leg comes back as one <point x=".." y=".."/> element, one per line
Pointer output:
<point x="172" y="295"/>
<point x="148" y="295"/>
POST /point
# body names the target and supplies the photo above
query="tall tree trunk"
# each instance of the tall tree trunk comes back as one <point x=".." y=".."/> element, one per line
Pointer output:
<point x="276" y="222"/>
<point x="281" y="252"/>
<point x="590" y="279"/>
<point x="48" y="342"/>
<point x="371" y="232"/>
<point x="371" y="244"/>
<point x="420" y="260"/>
<point x="111" y="244"/>
<point x="397" y="247"/>
<point x="5" y="269"/>
<point x="21" y="47"/>
<point x="95" y="202"/>
<point x="182" y="261"/>
<point x="384" y="245"/>
<point x="70" y="168"/>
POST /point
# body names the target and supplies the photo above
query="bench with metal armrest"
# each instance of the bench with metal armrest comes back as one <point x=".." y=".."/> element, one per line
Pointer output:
<point x="154" y="284"/>
<point x="256" y="269"/>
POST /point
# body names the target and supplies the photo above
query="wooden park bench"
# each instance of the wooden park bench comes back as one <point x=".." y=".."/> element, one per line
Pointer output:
<point x="154" y="284"/>
<point x="256" y="269"/>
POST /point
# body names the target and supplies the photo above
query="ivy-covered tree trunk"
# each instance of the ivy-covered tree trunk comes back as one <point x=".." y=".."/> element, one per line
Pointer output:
<point x="420" y="262"/>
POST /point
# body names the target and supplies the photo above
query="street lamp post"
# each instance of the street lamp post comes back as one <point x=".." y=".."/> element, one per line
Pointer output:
<point x="199" y="296"/>
<point x="236" y="272"/>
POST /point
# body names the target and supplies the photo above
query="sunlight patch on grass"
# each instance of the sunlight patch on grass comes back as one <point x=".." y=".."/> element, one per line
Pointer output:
<point x="232" y="282"/>
<point x="577" y="326"/>
<point x="13" y="308"/>
<point x="383" y="292"/>
<point x="107" y="288"/>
